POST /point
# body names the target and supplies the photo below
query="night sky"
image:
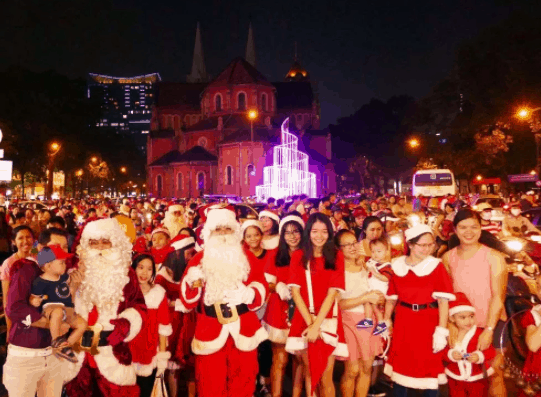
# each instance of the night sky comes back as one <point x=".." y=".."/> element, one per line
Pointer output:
<point x="355" y="50"/>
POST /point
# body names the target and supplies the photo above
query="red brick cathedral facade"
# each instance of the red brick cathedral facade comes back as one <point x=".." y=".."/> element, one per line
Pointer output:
<point x="202" y="140"/>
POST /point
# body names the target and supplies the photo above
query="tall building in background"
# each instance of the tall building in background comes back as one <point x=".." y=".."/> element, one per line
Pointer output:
<point x="126" y="102"/>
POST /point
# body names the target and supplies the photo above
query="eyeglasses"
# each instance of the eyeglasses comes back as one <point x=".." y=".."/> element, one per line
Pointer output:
<point x="349" y="246"/>
<point x="291" y="234"/>
<point x="425" y="245"/>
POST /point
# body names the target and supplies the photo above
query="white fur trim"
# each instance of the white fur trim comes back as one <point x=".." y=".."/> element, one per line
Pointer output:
<point x="269" y="214"/>
<point x="70" y="370"/>
<point x="250" y="222"/>
<point x="414" y="383"/>
<point x="276" y="335"/>
<point x="261" y="289"/>
<point x="423" y="268"/>
<point x="296" y="344"/>
<point x="271" y="278"/>
<point x="161" y="230"/>
<point x="417" y="230"/>
<point x="175" y="207"/>
<point x="270" y="243"/>
<point x="290" y="218"/>
<point x="293" y="285"/>
<point x="136" y="322"/>
<point x="536" y="316"/>
<point x="155" y="296"/>
<point x="481" y="357"/>
<point x="474" y="378"/>
<point x="102" y="228"/>
<point x="179" y="307"/>
<point x="165" y="330"/>
<point x="391" y="297"/>
<point x="146" y="369"/>
<point x="219" y="217"/>
<point x="461" y="308"/>
<point x="183" y="292"/>
<point x="182" y="243"/>
<point x="243" y="343"/>
<point x="443" y="295"/>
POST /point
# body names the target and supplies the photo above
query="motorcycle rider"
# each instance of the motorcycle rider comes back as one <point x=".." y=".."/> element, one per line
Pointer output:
<point x="517" y="225"/>
<point x="485" y="211"/>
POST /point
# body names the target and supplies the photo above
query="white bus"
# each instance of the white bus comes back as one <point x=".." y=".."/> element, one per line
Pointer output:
<point x="433" y="183"/>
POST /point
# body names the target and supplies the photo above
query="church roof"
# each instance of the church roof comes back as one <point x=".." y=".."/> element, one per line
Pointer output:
<point x="179" y="94"/>
<point x="197" y="153"/>
<point x="239" y="71"/>
<point x="294" y="95"/>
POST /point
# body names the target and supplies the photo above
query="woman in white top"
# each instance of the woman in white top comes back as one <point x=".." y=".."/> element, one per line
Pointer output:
<point x="362" y="345"/>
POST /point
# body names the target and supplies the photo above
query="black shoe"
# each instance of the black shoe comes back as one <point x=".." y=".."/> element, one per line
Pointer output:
<point x="376" y="391"/>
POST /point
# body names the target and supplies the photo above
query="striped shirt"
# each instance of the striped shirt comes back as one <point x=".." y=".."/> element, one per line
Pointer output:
<point x="493" y="228"/>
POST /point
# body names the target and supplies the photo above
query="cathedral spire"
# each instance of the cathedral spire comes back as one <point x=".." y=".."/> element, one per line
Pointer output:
<point x="199" y="72"/>
<point x="250" y="47"/>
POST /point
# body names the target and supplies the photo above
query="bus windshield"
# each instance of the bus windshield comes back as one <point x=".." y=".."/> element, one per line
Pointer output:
<point x="433" y="179"/>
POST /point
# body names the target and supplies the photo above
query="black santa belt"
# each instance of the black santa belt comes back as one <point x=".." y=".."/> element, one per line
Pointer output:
<point x="224" y="313"/>
<point x="415" y="307"/>
<point x="92" y="338"/>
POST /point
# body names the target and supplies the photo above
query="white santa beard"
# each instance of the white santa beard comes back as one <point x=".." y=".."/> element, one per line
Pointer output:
<point x="173" y="224"/>
<point x="225" y="266"/>
<point x="105" y="276"/>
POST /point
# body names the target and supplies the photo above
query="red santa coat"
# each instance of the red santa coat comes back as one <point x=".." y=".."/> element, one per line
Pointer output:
<point x="133" y="309"/>
<point x="210" y="336"/>
<point x="463" y="370"/>
<point x="276" y="316"/>
<point x="420" y="284"/>
<point x="533" y="360"/>
<point x="146" y="344"/>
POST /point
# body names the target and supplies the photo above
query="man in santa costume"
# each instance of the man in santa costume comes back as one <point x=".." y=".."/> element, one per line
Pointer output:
<point x="225" y="290"/>
<point x="174" y="219"/>
<point x="111" y="301"/>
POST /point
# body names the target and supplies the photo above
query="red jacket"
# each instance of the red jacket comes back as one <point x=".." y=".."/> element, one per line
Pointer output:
<point x="210" y="335"/>
<point x="464" y="370"/>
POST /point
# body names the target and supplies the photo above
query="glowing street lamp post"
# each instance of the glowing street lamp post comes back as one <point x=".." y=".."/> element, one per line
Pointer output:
<point x="252" y="115"/>
<point x="535" y="125"/>
<point x="54" y="148"/>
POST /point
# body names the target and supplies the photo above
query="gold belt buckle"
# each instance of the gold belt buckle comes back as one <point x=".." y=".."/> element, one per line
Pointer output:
<point x="223" y="320"/>
<point x="93" y="349"/>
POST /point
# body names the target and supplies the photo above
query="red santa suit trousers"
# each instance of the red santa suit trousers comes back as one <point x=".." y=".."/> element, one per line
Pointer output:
<point x="459" y="388"/>
<point x="229" y="372"/>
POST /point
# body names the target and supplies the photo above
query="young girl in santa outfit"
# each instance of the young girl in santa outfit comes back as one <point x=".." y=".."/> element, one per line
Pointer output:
<point x="467" y="368"/>
<point x="168" y="277"/>
<point x="149" y="347"/>
<point x="159" y="239"/>
<point x="420" y="289"/>
<point x="531" y="321"/>
<point x="276" y="320"/>
<point x="316" y="277"/>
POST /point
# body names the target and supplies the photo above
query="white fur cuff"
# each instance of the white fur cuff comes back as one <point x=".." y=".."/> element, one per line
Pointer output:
<point x="165" y="330"/>
<point x="179" y="307"/>
<point x="136" y="322"/>
<point x="481" y="357"/>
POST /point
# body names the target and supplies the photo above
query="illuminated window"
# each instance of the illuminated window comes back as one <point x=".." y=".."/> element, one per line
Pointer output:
<point x="228" y="175"/>
<point x="250" y="171"/>
<point x="201" y="181"/>
<point x="218" y="103"/>
<point x="241" y="101"/>
<point x="264" y="102"/>
<point x="124" y="116"/>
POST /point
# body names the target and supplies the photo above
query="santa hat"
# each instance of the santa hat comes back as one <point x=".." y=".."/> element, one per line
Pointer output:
<point x="417" y="230"/>
<point x="219" y="217"/>
<point x="160" y="230"/>
<point x="359" y="212"/>
<point x="291" y="218"/>
<point x="269" y="214"/>
<point x="182" y="242"/>
<point x="460" y="304"/>
<point x="124" y="209"/>
<point x="174" y="208"/>
<point x="250" y="222"/>
<point x="102" y="228"/>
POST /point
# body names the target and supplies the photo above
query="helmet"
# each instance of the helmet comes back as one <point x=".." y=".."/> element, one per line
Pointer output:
<point x="483" y="206"/>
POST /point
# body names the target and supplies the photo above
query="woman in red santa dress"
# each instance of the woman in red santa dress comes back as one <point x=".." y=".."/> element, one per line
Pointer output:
<point x="168" y="276"/>
<point x="226" y="287"/>
<point x="531" y="321"/>
<point x="420" y="290"/>
<point x="270" y="222"/>
<point x="276" y="320"/>
<point x="316" y="277"/>
<point x="111" y="301"/>
<point x="149" y="348"/>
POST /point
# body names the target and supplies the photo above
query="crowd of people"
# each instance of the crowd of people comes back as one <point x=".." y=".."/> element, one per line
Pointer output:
<point x="103" y="298"/>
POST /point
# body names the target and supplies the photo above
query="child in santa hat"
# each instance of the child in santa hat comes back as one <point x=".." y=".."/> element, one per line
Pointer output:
<point x="467" y="368"/>
<point x="160" y="238"/>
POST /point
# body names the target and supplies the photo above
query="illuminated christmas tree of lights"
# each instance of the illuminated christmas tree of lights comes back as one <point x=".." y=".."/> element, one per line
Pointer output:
<point x="289" y="175"/>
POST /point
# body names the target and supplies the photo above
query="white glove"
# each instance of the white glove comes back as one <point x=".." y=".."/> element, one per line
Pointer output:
<point x="439" y="339"/>
<point x="161" y="362"/>
<point x="194" y="273"/>
<point x="243" y="294"/>
<point x="283" y="291"/>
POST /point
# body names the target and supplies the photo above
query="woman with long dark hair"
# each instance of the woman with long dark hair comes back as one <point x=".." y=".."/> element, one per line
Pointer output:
<point x="276" y="320"/>
<point x="270" y="222"/>
<point x="316" y="278"/>
<point x="373" y="229"/>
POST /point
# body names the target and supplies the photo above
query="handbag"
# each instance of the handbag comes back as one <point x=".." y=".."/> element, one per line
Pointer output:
<point x="159" y="389"/>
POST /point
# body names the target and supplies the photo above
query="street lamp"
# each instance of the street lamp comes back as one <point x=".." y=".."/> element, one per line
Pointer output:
<point x="252" y="115"/>
<point x="94" y="159"/>
<point x="528" y="114"/>
<point x="479" y="178"/>
<point x="123" y="170"/>
<point x="414" y="143"/>
<point x="54" y="148"/>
